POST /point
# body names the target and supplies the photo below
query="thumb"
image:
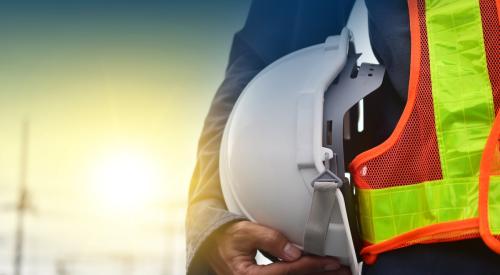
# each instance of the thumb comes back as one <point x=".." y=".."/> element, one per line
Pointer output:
<point x="275" y="243"/>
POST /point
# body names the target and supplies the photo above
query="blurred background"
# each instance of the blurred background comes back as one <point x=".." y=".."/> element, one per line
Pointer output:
<point x="101" y="106"/>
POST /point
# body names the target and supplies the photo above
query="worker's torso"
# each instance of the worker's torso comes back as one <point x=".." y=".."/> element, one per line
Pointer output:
<point x="434" y="179"/>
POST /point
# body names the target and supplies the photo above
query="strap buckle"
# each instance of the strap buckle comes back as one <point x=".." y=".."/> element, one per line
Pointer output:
<point x="327" y="180"/>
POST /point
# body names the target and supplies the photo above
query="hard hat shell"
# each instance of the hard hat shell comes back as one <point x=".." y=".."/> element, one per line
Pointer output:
<point x="272" y="149"/>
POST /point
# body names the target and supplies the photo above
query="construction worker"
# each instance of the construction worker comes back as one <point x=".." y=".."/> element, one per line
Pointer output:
<point x="225" y="243"/>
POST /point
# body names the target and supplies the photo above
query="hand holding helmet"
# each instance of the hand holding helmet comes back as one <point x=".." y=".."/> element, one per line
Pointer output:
<point x="235" y="246"/>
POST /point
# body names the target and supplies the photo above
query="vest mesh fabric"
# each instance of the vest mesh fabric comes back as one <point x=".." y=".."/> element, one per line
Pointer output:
<point x="403" y="163"/>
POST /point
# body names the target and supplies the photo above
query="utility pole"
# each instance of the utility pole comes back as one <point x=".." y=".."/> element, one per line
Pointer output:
<point x="61" y="267"/>
<point x="22" y="202"/>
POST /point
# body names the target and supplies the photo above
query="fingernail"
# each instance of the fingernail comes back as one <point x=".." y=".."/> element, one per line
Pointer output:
<point x="291" y="252"/>
<point x="332" y="267"/>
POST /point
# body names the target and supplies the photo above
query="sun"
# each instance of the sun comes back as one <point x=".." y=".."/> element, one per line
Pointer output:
<point x="125" y="180"/>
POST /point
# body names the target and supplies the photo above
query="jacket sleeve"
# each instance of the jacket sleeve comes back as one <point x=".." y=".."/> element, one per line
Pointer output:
<point x="206" y="209"/>
<point x="272" y="29"/>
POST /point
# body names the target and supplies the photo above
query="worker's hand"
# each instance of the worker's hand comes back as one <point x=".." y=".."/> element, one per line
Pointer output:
<point x="235" y="246"/>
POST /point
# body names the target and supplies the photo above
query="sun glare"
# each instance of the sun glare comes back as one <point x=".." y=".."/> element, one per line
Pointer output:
<point x="125" y="180"/>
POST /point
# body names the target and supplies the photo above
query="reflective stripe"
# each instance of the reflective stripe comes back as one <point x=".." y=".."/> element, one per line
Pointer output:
<point x="388" y="212"/>
<point x="461" y="90"/>
<point x="494" y="205"/>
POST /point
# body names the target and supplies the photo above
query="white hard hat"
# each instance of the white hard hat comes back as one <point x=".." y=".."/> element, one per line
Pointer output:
<point x="276" y="144"/>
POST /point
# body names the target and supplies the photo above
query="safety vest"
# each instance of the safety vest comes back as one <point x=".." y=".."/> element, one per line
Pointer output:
<point x="437" y="177"/>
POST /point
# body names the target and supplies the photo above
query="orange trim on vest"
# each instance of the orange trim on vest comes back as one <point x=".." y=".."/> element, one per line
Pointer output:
<point x="465" y="229"/>
<point x="484" y="183"/>
<point x="498" y="9"/>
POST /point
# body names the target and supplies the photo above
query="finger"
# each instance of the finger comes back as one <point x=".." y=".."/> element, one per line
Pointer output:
<point x="304" y="265"/>
<point x="274" y="243"/>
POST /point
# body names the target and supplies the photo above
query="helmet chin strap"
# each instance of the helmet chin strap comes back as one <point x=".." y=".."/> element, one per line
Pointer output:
<point x="323" y="199"/>
<point x="332" y="224"/>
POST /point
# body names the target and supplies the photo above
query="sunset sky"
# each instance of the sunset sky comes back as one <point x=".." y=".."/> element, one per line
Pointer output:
<point x="115" y="94"/>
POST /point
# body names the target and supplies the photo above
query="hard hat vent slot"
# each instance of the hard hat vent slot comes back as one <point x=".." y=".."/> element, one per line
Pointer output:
<point x="329" y="135"/>
<point x="354" y="72"/>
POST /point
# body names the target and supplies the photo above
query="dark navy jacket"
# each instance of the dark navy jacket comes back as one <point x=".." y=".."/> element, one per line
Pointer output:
<point x="273" y="29"/>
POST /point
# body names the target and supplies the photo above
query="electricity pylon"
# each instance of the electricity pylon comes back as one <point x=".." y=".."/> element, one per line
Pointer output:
<point x="22" y="202"/>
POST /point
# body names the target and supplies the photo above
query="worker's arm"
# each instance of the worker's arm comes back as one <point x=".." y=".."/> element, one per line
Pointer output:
<point x="207" y="210"/>
<point x="272" y="30"/>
